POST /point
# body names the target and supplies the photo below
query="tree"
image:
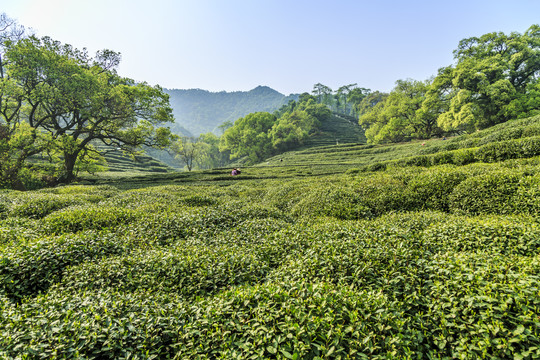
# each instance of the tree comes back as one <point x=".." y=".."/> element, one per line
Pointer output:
<point x="78" y="100"/>
<point x="495" y="79"/>
<point x="10" y="30"/>
<point x="323" y="94"/>
<point x="188" y="150"/>
<point x="341" y="97"/>
<point x="290" y="130"/>
<point x="295" y="126"/>
<point x="249" y="137"/>
<point x="210" y="156"/>
<point x="227" y="124"/>
<point x="18" y="141"/>
<point x="401" y="115"/>
<point x="355" y="97"/>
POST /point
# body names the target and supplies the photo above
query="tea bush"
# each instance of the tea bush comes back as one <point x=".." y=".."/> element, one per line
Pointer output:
<point x="432" y="256"/>
<point x="18" y="230"/>
<point x="462" y="155"/>
<point x="38" y="206"/>
<point x="486" y="194"/>
<point x="497" y="235"/>
<point x="92" y="192"/>
<point x="341" y="202"/>
<point x="106" y="325"/>
<point x="30" y="268"/>
<point x="188" y="271"/>
<point x="88" y="218"/>
<point x="432" y="189"/>
<point x="477" y="304"/>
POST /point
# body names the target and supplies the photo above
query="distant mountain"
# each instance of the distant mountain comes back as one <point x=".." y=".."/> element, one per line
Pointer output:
<point x="199" y="111"/>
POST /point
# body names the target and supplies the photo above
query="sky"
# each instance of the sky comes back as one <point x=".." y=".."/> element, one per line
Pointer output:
<point x="288" y="45"/>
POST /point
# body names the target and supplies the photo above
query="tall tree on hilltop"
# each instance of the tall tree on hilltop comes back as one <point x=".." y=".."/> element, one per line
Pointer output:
<point x="323" y="94"/>
<point x="355" y="97"/>
<point x="341" y="97"/>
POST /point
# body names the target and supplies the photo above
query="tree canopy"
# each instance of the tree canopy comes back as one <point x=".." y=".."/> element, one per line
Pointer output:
<point x="495" y="79"/>
<point x="249" y="137"/>
<point x="259" y="135"/>
<point x="74" y="100"/>
<point x="400" y="115"/>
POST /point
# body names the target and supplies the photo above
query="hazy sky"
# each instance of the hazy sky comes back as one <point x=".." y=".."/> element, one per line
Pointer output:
<point x="289" y="45"/>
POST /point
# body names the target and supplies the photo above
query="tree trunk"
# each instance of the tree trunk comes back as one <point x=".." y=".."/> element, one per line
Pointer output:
<point x="69" y="166"/>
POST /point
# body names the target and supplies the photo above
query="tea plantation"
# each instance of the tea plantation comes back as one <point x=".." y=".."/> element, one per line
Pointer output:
<point x="337" y="252"/>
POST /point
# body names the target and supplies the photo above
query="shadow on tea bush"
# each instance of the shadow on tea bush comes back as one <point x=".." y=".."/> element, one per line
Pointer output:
<point x="485" y="194"/>
<point x="88" y="218"/>
<point x="431" y="189"/>
<point x="36" y="205"/>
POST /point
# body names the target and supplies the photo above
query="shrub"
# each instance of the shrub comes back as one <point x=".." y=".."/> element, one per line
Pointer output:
<point x="384" y="193"/>
<point x="530" y="146"/>
<point x="445" y="157"/>
<point x="198" y="200"/>
<point x="187" y="270"/>
<point x="37" y="206"/>
<point x="421" y="160"/>
<point x="531" y="130"/>
<point x="485" y="194"/>
<point x="492" y="235"/>
<point x="105" y="325"/>
<point x="339" y="202"/>
<point x="27" y="269"/>
<point x="526" y="199"/>
<point x="88" y="218"/>
<point x="432" y="189"/>
<point x="463" y="156"/>
<point x="18" y="230"/>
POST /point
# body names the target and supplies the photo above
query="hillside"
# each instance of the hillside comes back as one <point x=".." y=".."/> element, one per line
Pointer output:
<point x="418" y="250"/>
<point x="118" y="162"/>
<point x="199" y="111"/>
<point x="336" y="130"/>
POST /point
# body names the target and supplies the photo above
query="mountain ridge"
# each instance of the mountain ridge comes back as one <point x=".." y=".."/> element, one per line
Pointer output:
<point x="198" y="111"/>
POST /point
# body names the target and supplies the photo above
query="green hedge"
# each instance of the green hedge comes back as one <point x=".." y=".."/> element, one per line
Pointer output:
<point x="28" y="269"/>
<point x="489" y="153"/>
<point x="492" y="193"/>
<point x="405" y="263"/>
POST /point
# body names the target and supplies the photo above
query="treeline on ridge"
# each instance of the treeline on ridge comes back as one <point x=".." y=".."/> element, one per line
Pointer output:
<point x="495" y="79"/>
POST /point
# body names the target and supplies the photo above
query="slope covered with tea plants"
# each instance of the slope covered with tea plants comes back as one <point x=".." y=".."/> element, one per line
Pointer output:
<point x="315" y="256"/>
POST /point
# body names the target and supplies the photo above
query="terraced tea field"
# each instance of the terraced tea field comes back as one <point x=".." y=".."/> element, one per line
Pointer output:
<point x="293" y="259"/>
